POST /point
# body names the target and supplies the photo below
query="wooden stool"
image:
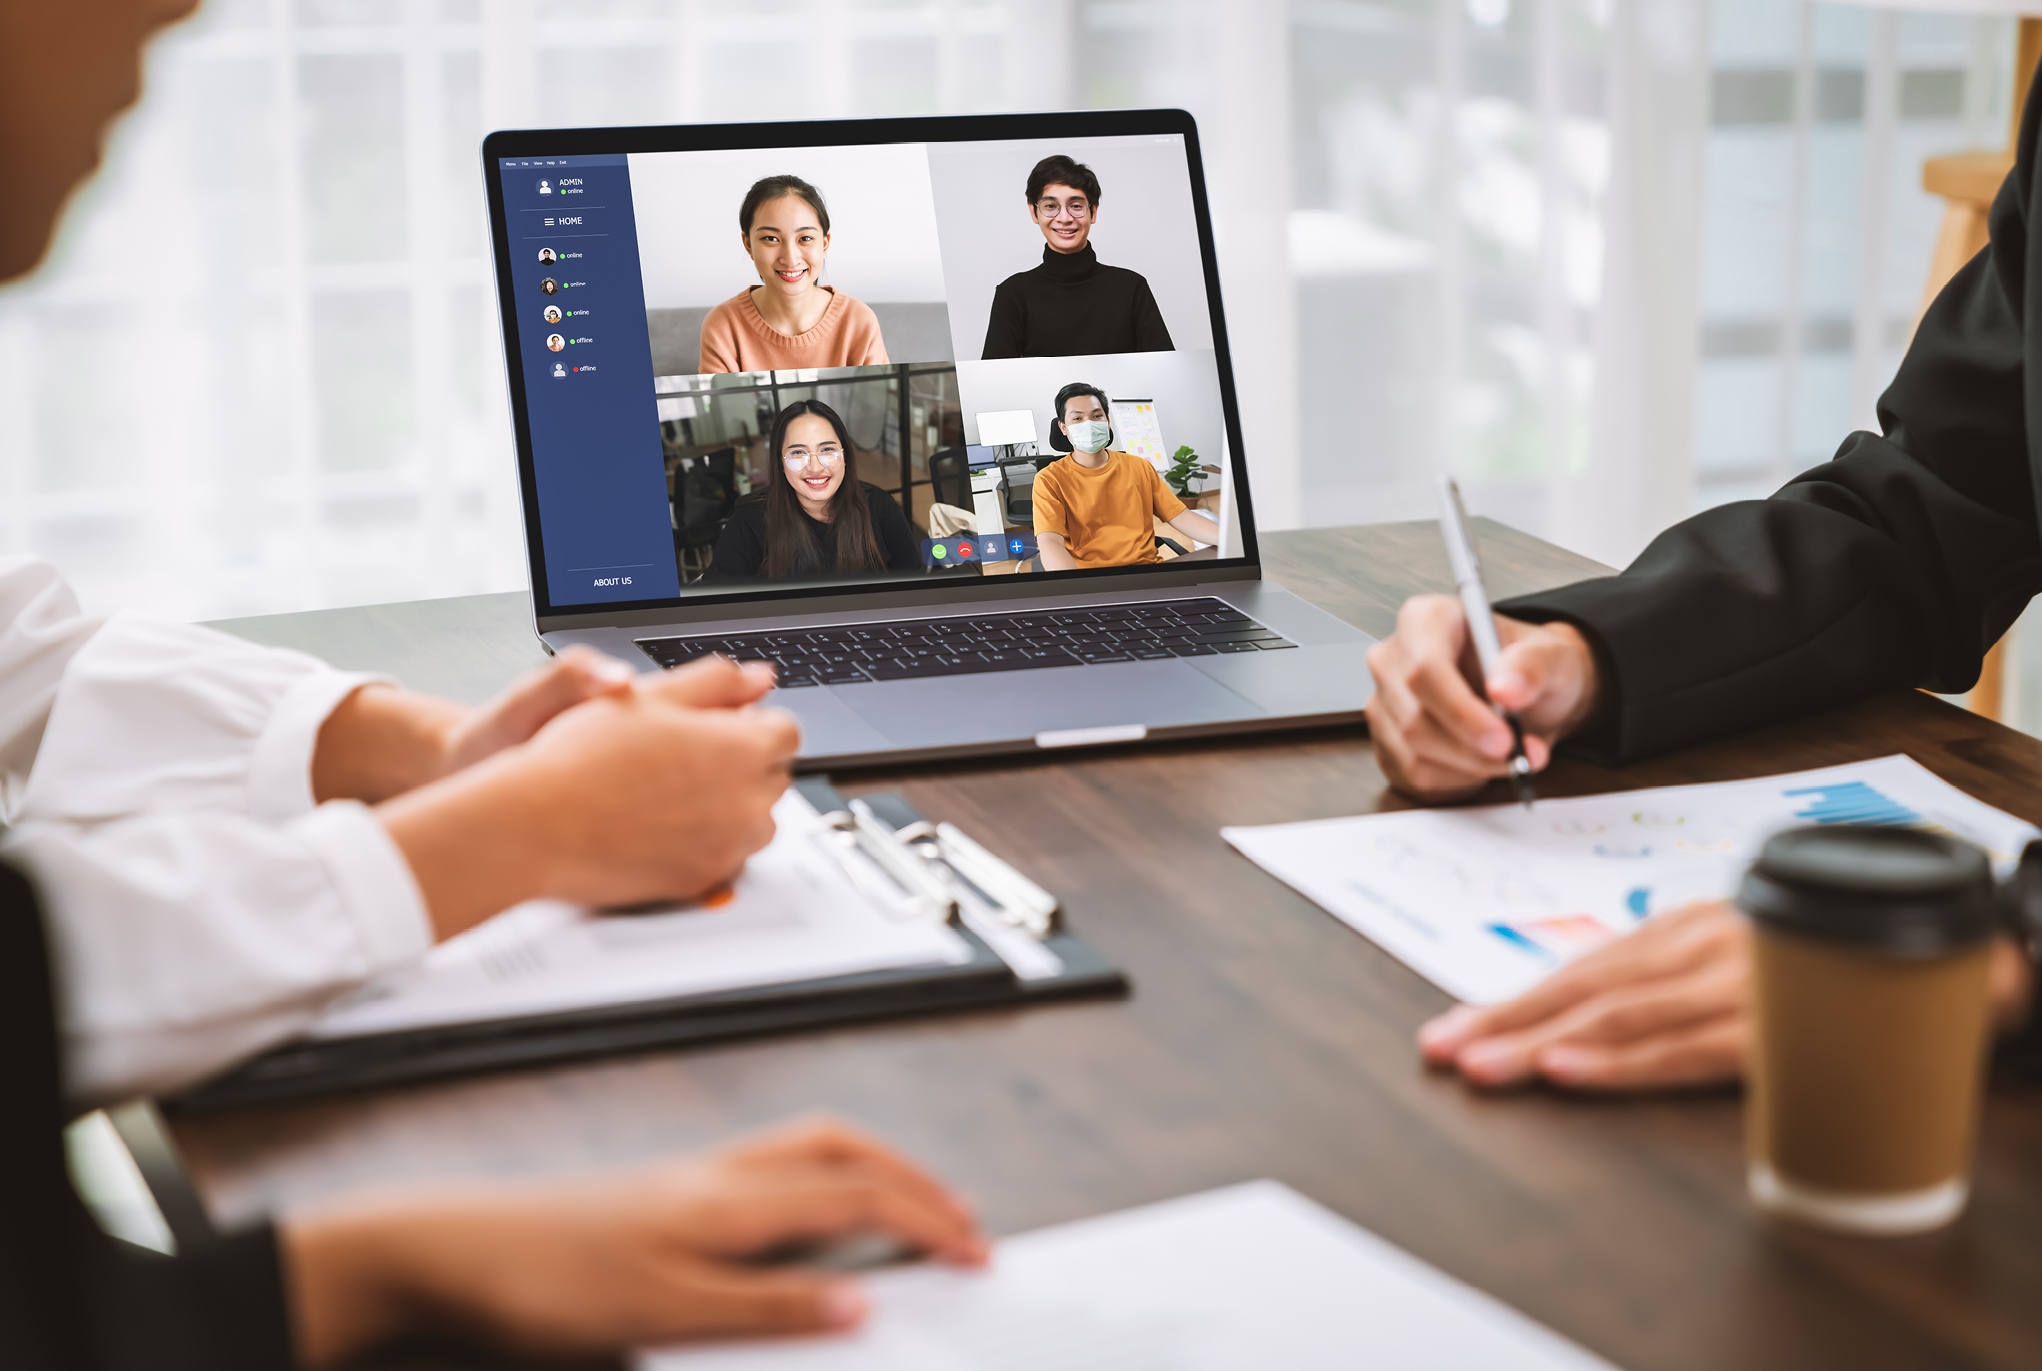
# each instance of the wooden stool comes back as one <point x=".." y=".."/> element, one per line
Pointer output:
<point x="1968" y="181"/>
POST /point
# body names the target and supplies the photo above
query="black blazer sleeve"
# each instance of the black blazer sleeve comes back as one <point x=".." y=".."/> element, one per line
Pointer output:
<point x="70" y="1296"/>
<point x="1898" y="563"/>
<point x="217" y="1309"/>
<point x="1007" y="327"/>
<point x="741" y="548"/>
<point x="1150" y="335"/>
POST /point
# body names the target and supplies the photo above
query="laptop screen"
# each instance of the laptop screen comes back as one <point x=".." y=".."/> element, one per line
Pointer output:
<point x="756" y="359"/>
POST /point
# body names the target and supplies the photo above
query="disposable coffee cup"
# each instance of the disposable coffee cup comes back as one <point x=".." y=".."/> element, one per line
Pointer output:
<point x="1871" y="1018"/>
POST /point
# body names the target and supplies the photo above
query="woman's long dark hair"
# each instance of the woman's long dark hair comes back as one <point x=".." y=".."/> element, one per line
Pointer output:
<point x="792" y="549"/>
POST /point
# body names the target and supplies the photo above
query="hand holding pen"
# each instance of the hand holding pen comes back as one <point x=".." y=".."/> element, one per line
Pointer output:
<point x="1437" y="735"/>
<point x="1467" y="572"/>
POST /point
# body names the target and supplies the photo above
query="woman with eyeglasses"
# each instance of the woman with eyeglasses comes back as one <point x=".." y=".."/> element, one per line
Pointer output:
<point x="790" y="319"/>
<point x="819" y="519"/>
<point x="1072" y="305"/>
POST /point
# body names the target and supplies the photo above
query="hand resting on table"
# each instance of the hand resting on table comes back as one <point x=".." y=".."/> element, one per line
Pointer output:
<point x="1667" y="1005"/>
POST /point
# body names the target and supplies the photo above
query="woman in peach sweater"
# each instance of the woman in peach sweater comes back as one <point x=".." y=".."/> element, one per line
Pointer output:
<point x="791" y="320"/>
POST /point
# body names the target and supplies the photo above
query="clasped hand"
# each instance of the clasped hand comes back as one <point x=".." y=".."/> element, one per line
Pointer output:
<point x="583" y="781"/>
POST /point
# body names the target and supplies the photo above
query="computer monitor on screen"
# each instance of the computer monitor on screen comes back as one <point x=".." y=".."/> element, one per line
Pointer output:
<point x="1005" y="427"/>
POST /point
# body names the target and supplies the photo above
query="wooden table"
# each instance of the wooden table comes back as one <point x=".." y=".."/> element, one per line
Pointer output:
<point x="1263" y="1038"/>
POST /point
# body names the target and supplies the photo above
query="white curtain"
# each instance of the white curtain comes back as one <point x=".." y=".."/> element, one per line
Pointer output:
<point x="261" y="372"/>
<point x="1636" y="475"/>
<point x="1485" y="189"/>
<point x="1817" y="234"/>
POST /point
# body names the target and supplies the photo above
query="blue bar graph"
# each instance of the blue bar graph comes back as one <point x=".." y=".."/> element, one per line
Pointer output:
<point x="1852" y="802"/>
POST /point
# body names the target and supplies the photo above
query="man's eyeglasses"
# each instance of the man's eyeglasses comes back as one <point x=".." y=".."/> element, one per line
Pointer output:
<point x="1076" y="208"/>
<point x="829" y="454"/>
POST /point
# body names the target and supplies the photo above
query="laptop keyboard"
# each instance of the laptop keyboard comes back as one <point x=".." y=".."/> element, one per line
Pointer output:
<point x="896" y="651"/>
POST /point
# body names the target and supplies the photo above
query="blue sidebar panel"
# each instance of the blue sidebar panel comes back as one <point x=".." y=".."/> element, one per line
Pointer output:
<point x="603" y="511"/>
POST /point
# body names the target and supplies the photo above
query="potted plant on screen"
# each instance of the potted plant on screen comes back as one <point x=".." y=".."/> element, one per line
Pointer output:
<point x="1186" y="474"/>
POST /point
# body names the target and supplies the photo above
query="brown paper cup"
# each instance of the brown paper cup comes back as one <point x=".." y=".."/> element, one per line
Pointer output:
<point x="1871" y="1017"/>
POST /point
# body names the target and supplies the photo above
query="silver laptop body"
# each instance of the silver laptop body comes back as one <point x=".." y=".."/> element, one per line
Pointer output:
<point x="591" y="227"/>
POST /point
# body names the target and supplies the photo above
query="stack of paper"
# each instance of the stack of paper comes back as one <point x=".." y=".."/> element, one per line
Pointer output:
<point x="1486" y="902"/>
<point x="1253" y="1276"/>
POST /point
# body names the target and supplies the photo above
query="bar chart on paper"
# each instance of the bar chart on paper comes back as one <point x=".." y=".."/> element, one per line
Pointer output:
<point x="1852" y="802"/>
<point x="1486" y="902"/>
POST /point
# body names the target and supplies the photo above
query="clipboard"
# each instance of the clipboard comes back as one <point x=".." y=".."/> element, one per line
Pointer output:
<point x="987" y="979"/>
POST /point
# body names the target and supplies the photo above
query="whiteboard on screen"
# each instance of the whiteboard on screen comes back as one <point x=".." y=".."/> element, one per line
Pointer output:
<point x="1137" y="430"/>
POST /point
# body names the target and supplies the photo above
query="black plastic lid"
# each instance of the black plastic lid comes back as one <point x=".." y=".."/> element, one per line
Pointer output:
<point x="1900" y="891"/>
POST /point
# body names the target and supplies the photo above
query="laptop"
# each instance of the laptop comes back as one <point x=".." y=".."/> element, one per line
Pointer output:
<point x="858" y="331"/>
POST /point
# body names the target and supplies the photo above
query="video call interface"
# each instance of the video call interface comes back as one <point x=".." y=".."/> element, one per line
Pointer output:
<point x="764" y="369"/>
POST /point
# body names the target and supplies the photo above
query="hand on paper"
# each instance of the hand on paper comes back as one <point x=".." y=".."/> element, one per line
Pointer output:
<point x="381" y="741"/>
<point x="1664" y="1006"/>
<point x="641" y="1259"/>
<point x="657" y="792"/>
<point x="1435" y="737"/>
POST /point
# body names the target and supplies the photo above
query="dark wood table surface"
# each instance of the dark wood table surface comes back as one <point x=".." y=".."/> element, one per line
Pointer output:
<point x="1263" y="1038"/>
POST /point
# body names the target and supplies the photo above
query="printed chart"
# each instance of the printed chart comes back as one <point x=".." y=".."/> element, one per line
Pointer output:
<point x="1486" y="902"/>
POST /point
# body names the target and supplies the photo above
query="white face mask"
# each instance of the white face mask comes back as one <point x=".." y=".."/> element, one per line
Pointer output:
<point x="1088" y="436"/>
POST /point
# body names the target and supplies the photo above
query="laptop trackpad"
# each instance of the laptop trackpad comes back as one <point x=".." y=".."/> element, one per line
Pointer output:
<point x="947" y="711"/>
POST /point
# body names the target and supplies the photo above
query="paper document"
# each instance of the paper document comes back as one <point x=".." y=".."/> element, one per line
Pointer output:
<point x="1485" y="902"/>
<point x="794" y="915"/>
<point x="1239" y="1279"/>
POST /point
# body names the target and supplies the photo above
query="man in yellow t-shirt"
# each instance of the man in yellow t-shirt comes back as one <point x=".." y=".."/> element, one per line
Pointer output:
<point x="1096" y="507"/>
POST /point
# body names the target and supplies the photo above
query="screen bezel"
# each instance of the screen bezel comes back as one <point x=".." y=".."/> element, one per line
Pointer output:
<point x="861" y="594"/>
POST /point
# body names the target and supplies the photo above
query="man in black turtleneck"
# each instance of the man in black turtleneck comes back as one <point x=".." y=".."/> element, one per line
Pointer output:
<point x="1072" y="305"/>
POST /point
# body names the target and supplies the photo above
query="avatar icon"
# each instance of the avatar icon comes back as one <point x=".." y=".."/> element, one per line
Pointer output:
<point x="548" y="256"/>
<point x="552" y="314"/>
<point x="559" y="369"/>
<point x="545" y="188"/>
<point x="555" y="342"/>
<point x="549" y="286"/>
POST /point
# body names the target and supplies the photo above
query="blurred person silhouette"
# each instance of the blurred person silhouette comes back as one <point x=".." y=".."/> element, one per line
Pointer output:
<point x="209" y="841"/>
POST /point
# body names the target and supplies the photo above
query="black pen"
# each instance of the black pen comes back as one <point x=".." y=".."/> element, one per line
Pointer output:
<point x="1467" y="569"/>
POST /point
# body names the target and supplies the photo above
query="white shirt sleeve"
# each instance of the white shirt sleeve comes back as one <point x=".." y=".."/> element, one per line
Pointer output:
<point x="158" y="779"/>
<point x="41" y="629"/>
<point x="151" y="715"/>
<point x="186" y="942"/>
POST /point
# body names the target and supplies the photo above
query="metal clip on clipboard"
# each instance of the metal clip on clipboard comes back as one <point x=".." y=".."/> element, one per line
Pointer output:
<point x="932" y="867"/>
<point x="912" y="891"/>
